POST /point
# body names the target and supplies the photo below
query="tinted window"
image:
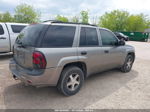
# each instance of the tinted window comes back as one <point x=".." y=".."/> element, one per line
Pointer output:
<point x="108" y="38"/>
<point x="88" y="37"/>
<point x="17" y="28"/>
<point x="59" y="36"/>
<point x="1" y="30"/>
<point x="30" y="34"/>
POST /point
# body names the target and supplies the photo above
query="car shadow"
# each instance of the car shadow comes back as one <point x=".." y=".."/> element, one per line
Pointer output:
<point x="5" y="57"/>
<point x="95" y="88"/>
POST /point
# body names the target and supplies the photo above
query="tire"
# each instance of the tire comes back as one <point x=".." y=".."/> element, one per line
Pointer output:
<point x="127" y="39"/>
<point x="127" y="66"/>
<point x="71" y="80"/>
<point x="146" y="40"/>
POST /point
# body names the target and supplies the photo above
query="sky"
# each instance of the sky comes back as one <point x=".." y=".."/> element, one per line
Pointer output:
<point x="50" y="8"/>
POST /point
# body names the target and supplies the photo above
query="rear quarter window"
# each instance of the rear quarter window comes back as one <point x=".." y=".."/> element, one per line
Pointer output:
<point x="59" y="36"/>
<point x="17" y="28"/>
<point x="1" y="30"/>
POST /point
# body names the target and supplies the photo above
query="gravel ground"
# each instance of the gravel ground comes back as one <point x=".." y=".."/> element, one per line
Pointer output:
<point x="108" y="90"/>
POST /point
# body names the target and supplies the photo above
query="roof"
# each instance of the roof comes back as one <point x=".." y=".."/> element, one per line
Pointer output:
<point x="55" y="21"/>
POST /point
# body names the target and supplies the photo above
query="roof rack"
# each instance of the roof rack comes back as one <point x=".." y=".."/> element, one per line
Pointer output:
<point x="52" y="21"/>
<point x="56" y="21"/>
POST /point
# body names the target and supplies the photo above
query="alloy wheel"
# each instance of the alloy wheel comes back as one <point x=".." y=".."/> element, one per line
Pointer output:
<point x="73" y="82"/>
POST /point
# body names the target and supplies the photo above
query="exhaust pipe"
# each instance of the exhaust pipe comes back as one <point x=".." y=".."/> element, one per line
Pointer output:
<point x="15" y="77"/>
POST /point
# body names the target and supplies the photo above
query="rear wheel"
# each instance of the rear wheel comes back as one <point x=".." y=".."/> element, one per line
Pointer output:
<point x="71" y="80"/>
<point x="128" y="64"/>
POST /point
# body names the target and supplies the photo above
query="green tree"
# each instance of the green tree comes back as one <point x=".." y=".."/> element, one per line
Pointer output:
<point x="137" y="22"/>
<point x="115" y="20"/>
<point x="61" y="18"/>
<point x="1" y="17"/>
<point x="75" y="19"/>
<point x="6" y="17"/>
<point x="84" y="16"/>
<point x="26" y="14"/>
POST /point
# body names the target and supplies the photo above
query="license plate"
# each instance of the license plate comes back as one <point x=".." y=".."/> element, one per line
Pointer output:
<point x="20" y="57"/>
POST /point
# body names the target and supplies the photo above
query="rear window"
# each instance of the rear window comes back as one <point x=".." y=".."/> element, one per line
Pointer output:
<point x="59" y="36"/>
<point x="30" y="35"/>
<point x="1" y="30"/>
<point x="17" y="28"/>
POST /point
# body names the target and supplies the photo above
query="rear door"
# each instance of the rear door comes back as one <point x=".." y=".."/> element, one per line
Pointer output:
<point x="89" y="49"/>
<point x="4" y="39"/>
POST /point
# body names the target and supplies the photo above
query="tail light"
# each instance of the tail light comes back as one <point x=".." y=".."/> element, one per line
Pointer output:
<point x="39" y="61"/>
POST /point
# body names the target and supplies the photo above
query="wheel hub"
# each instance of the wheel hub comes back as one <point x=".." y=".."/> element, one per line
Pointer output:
<point x="129" y="63"/>
<point x="73" y="82"/>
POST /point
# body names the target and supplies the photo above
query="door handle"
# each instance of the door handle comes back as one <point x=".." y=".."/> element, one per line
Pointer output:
<point x="2" y="37"/>
<point x="106" y="51"/>
<point x="83" y="53"/>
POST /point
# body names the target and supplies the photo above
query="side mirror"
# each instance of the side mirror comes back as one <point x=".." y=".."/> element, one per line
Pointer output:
<point x="121" y="43"/>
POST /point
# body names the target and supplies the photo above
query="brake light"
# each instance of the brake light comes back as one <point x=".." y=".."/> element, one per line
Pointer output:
<point x="39" y="61"/>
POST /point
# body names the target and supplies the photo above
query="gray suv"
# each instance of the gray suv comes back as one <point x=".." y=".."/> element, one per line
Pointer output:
<point x="64" y="54"/>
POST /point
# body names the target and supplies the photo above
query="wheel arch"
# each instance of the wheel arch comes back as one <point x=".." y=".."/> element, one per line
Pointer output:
<point x="79" y="64"/>
<point x="132" y="53"/>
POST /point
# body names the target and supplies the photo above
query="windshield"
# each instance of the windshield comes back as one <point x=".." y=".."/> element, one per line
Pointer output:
<point x="30" y="34"/>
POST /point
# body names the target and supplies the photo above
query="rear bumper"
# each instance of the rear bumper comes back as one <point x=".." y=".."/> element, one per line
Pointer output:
<point x="48" y="77"/>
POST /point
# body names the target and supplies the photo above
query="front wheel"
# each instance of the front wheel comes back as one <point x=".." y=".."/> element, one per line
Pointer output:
<point x="71" y="80"/>
<point x="128" y="64"/>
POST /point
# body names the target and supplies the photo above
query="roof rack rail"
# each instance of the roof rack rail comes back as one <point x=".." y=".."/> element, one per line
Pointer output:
<point x="52" y="21"/>
<point x="56" y="21"/>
